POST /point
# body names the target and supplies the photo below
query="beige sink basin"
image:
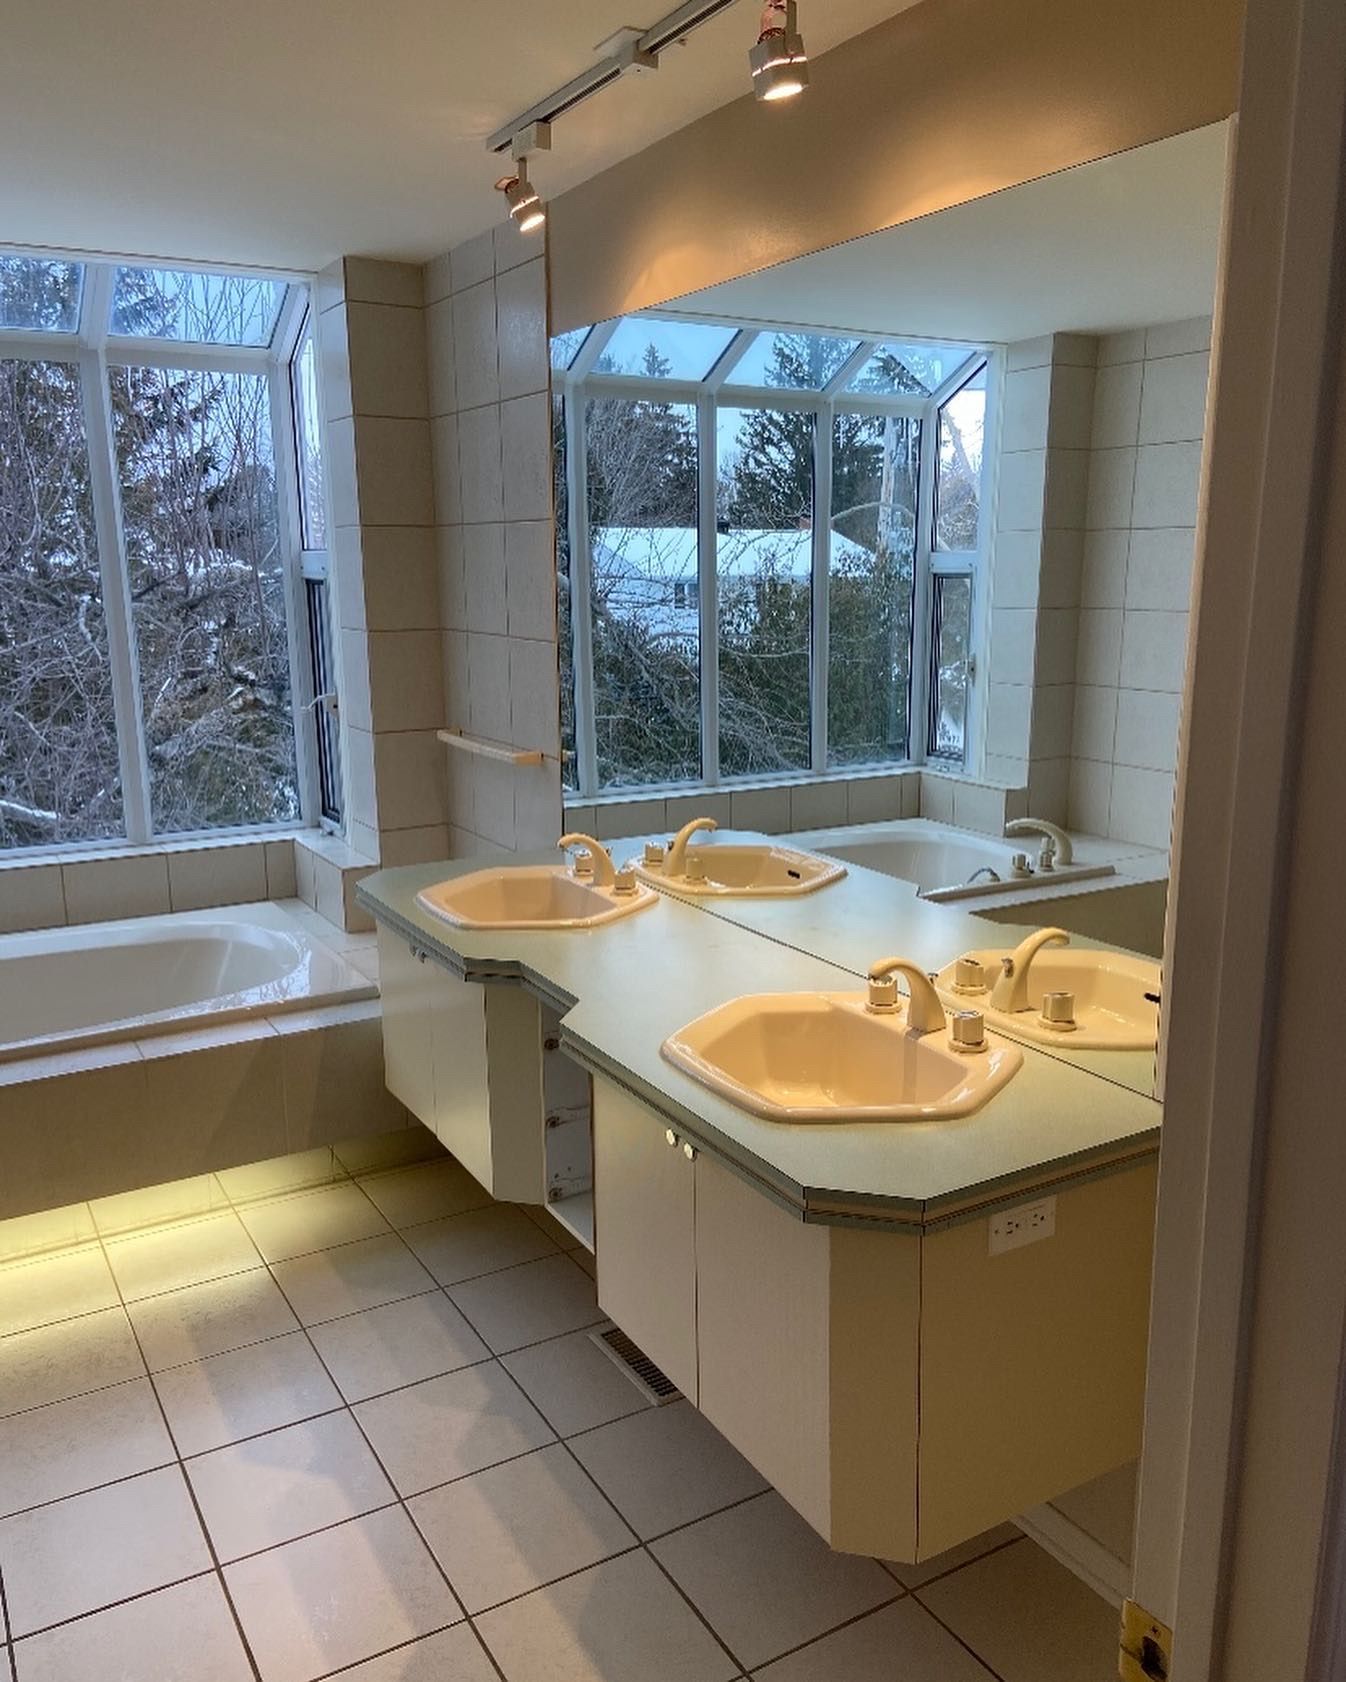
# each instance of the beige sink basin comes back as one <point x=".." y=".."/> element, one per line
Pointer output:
<point x="748" y="870"/>
<point x="1112" y="1012"/>
<point x="529" y="897"/>
<point x="811" y="1057"/>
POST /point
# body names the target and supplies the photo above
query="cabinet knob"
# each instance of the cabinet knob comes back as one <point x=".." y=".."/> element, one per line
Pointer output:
<point x="690" y="1152"/>
<point x="671" y="1138"/>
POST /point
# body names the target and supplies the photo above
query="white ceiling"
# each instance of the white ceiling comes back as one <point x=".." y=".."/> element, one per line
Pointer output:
<point x="1122" y="243"/>
<point x="290" y="132"/>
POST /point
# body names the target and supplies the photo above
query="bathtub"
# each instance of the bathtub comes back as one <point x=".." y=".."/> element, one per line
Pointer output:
<point x="943" y="861"/>
<point x="64" y="989"/>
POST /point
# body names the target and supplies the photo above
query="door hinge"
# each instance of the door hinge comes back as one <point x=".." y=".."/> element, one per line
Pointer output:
<point x="1147" y="1646"/>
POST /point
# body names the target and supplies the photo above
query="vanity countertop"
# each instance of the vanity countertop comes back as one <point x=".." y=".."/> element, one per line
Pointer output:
<point x="624" y="987"/>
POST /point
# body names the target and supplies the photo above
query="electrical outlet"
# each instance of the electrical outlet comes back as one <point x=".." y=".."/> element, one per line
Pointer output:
<point x="1029" y="1223"/>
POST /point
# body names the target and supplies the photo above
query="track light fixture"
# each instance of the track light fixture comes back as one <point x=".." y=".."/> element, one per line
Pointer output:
<point x="525" y="202"/>
<point x="779" y="61"/>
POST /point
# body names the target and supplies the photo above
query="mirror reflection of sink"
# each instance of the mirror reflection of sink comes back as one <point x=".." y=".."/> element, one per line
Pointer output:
<point x="824" y="1057"/>
<point x="747" y="869"/>
<point x="530" y="897"/>
<point x="1115" y="998"/>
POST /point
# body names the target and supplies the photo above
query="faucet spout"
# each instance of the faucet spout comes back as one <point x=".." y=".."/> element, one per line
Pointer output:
<point x="605" y="872"/>
<point x="676" y="862"/>
<point x="1010" y="992"/>
<point x="1057" y="847"/>
<point x="925" y="1013"/>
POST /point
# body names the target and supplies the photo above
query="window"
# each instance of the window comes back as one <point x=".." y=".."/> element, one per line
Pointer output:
<point x="158" y="480"/>
<point x="770" y="545"/>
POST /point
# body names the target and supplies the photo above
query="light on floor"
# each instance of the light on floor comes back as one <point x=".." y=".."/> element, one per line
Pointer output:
<point x="779" y="61"/>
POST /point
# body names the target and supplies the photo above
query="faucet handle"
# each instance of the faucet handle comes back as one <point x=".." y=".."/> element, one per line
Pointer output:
<point x="883" y="994"/>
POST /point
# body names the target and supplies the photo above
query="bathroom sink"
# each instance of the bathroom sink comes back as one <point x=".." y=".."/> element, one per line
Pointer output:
<point x="1115" y="996"/>
<point x="530" y="897"/>
<point x="811" y="1057"/>
<point x="724" y="867"/>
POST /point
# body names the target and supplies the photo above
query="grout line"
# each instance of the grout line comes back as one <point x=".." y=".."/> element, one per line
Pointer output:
<point x="962" y="1565"/>
<point x="951" y="1631"/>
<point x="836" y="1629"/>
<point x="112" y="1606"/>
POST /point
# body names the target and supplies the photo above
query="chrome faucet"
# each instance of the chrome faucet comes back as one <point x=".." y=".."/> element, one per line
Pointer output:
<point x="925" y="1013"/>
<point x="1057" y="847"/>
<point x="605" y="872"/>
<point x="1010" y="992"/>
<point x="676" y="862"/>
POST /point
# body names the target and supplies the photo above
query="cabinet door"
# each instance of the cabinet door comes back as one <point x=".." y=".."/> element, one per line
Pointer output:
<point x="645" y="1214"/>
<point x="407" y="999"/>
<point x="462" y="1113"/>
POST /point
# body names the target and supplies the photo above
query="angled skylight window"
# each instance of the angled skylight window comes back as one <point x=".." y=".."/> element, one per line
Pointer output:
<point x="793" y="361"/>
<point x="40" y="294"/>
<point x="664" y="350"/>
<point x="897" y="369"/>
<point x="195" y="308"/>
<point x="565" y="347"/>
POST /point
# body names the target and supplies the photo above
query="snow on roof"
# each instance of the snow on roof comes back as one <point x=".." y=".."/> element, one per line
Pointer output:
<point x="670" y="552"/>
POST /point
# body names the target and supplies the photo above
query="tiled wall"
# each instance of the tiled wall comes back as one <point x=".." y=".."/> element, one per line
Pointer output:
<point x="371" y="332"/>
<point x="1147" y="427"/>
<point x="486" y="318"/>
<point x="1043" y="485"/>
<point x="769" y="811"/>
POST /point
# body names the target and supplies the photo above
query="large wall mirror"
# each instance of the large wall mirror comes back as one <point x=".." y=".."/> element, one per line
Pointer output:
<point x="890" y="548"/>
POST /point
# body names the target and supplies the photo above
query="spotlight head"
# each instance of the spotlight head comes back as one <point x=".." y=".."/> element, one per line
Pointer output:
<point x="524" y="200"/>
<point x="779" y="62"/>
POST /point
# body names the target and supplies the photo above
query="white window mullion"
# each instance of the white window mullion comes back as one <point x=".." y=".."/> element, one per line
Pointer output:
<point x="922" y="604"/>
<point x="122" y="659"/>
<point x="283" y="443"/>
<point x="822" y="624"/>
<point x="708" y="593"/>
<point x="581" y="593"/>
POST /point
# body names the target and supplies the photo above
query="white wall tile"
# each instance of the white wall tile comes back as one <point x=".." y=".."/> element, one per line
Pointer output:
<point x="682" y="808"/>
<point x="580" y="820"/>
<point x="1023" y="485"/>
<point x="401" y="587"/>
<point x="1121" y="347"/>
<point x="348" y="568"/>
<point x="409" y="777"/>
<point x="406" y="680"/>
<point x="765" y="810"/>
<point x="521" y="317"/>
<point x="353" y="682"/>
<point x="437" y="278"/>
<point x="199" y="877"/>
<point x="457" y="689"/>
<point x="875" y="799"/>
<point x="340" y="467"/>
<point x="1049" y="789"/>
<point x="1005" y="772"/>
<point x="1072" y="404"/>
<point x="281" y="882"/>
<point x="1058" y="634"/>
<point x="1154" y="651"/>
<point x="937" y="797"/>
<point x="31" y="897"/>
<point x="1168" y="477"/>
<point x="1018" y="566"/>
<point x="482" y="489"/>
<point x="359" y="767"/>
<point x="1075" y="350"/>
<point x="1099" y="657"/>
<point x="1053" y="721"/>
<point x="1095" y="722"/>
<point x="473" y="261"/>
<point x="1009" y="722"/>
<point x="1179" y="338"/>
<point x="1142" y="806"/>
<point x="450" y="551"/>
<point x="525" y="448"/>
<point x="394" y="472"/>
<point x="1090" y="803"/>
<point x="446" y="469"/>
<point x="1159" y="574"/>
<point x="484" y="579"/>
<point x="1062" y="569"/>
<point x="1013" y="644"/>
<point x="1116" y="421"/>
<point x="530" y="573"/>
<point x="99" y="890"/>
<point x="980" y="808"/>
<point x="537" y="806"/>
<point x="535" y="701"/>
<point x="488" y="686"/>
<point x="1147" y="730"/>
<point x="443" y="381"/>
<point x="1112" y="483"/>
<point x="817" y="805"/>
<point x="475" y="347"/>
<point x="1103" y="581"/>
<point x="493" y="802"/>
<point x="623" y="819"/>
<point x="1066" y="503"/>
<point x="513" y="247"/>
<point x="388" y="371"/>
<point x="1029" y="353"/>
<point x="1027" y="404"/>
<point x="334" y="360"/>
<point x="414" y="846"/>
<point x="374" y="280"/>
<point x="1173" y="405"/>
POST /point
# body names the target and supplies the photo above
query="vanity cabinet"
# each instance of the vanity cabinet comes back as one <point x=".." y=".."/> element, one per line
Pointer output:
<point x="903" y="1390"/>
<point x="479" y="1065"/>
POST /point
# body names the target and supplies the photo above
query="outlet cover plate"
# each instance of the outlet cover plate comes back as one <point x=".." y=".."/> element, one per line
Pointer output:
<point x="1029" y="1223"/>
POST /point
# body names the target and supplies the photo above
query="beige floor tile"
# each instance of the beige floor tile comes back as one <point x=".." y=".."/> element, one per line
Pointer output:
<point x="766" y="1581"/>
<point x="174" y="1257"/>
<point x="455" y="1655"/>
<point x="561" y="1236"/>
<point x="206" y="1320"/>
<point x="901" y="1643"/>
<point x="573" y="1384"/>
<point x="67" y="1359"/>
<point x="426" y="1192"/>
<point x="39" y="1293"/>
<point x="78" y="1444"/>
<point x="85" y="1553"/>
<point x="274" y="1489"/>
<point x="451" y="1426"/>
<point x="666" y="1466"/>
<point x="516" y="1527"/>
<point x="144" y="1639"/>
<point x="912" y="1576"/>
<point x="1028" y="1618"/>
<point x="177" y="1201"/>
<point x="352" y="1278"/>
<point x="399" y="1344"/>
<point x="259" y="1388"/>
<point x="342" y="1596"/>
<point x="585" y="1259"/>
<point x="398" y="1149"/>
<point x="312" y="1220"/>
<point x="483" y="1241"/>
<point x="620" y="1622"/>
<point x="526" y="1304"/>
<point x="305" y="1170"/>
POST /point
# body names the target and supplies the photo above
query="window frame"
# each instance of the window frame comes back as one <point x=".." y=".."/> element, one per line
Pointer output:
<point x="93" y="349"/>
<point x="580" y="383"/>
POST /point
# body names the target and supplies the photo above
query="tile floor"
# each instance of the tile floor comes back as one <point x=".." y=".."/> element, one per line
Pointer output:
<point x="360" y="1430"/>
